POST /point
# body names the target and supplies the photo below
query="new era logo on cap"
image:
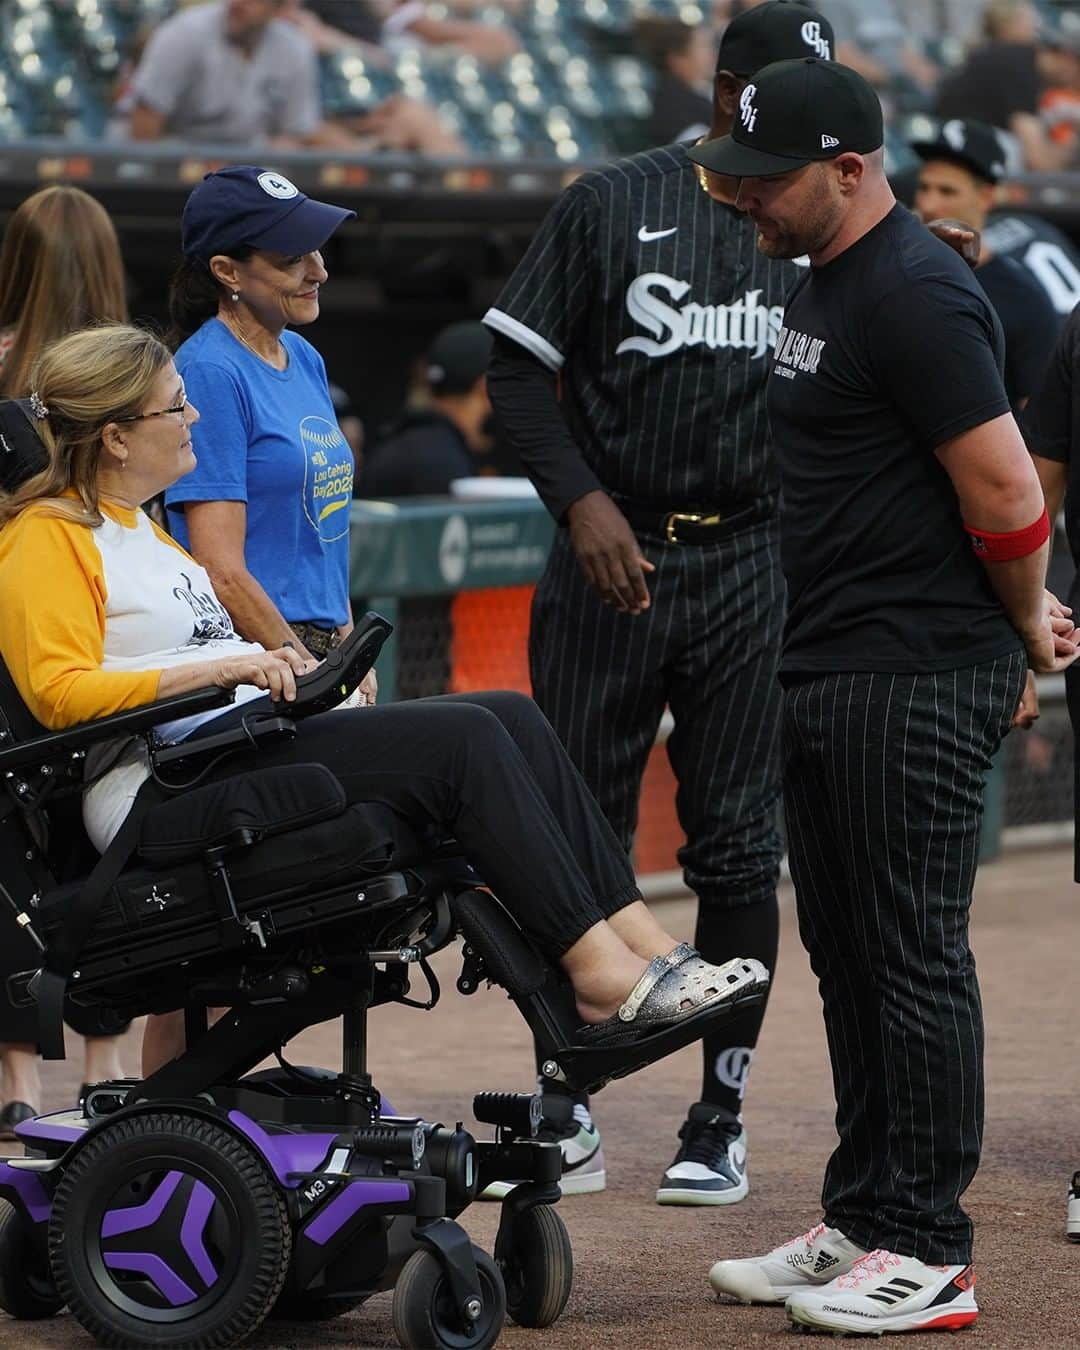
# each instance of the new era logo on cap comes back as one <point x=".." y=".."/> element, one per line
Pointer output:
<point x="829" y="142"/>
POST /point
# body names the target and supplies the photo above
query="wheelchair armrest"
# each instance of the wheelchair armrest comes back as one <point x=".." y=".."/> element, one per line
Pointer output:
<point x="54" y="745"/>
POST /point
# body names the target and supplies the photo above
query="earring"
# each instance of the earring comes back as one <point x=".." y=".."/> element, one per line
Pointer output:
<point x="236" y="297"/>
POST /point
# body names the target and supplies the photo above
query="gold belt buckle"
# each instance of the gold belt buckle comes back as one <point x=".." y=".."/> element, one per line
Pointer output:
<point x="674" y="519"/>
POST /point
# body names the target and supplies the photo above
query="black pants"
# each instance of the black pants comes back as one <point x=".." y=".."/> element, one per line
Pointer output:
<point x="707" y="648"/>
<point x="883" y="801"/>
<point x="489" y="768"/>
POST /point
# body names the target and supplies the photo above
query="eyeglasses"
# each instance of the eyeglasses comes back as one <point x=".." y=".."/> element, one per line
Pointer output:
<point x="176" y="410"/>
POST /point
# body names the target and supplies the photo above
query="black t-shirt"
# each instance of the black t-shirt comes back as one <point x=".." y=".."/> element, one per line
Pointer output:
<point x="1028" y="319"/>
<point x="421" y="457"/>
<point x="886" y="353"/>
<point x="1052" y="428"/>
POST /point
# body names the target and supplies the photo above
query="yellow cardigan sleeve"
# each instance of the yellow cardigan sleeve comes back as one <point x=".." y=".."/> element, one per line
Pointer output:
<point x="52" y="624"/>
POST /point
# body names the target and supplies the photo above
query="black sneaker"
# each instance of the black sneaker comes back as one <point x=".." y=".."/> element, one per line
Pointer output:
<point x="710" y="1166"/>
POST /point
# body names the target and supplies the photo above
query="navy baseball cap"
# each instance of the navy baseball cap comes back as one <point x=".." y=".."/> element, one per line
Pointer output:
<point x="793" y="113"/>
<point x="244" y="204"/>
<point x="975" y="146"/>
<point x="779" y="30"/>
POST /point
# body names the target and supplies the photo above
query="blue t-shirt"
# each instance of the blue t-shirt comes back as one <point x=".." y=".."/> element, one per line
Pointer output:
<point x="269" y="438"/>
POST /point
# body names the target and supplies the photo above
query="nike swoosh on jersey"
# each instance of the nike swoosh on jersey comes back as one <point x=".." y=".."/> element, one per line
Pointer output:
<point x="647" y="236"/>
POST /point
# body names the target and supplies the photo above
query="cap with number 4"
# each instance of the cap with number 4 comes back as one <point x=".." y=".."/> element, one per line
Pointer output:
<point x="244" y="204"/>
<point x="792" y="113"/>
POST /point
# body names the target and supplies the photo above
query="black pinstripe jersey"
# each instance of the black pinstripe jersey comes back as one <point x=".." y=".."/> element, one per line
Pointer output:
<point x="653" y="302"/>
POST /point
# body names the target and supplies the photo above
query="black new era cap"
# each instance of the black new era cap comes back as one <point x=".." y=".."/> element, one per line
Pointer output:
<point x="978" y="147"/>
<point x="792" y="113"/>
<point x="779" y="30"/>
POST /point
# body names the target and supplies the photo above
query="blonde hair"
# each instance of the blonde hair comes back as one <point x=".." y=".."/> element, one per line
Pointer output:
<point x="60" y="269"/>
<point x="85" y="380"/>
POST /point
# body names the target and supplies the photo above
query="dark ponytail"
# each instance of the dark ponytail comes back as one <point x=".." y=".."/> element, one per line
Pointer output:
<point x="194" y="295"/>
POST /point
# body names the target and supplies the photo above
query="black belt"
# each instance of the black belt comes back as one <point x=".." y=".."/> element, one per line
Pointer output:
<point x="703" y="526"/>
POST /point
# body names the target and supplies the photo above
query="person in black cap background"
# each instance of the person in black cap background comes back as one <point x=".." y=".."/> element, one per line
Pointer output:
<point x="629" y="375"/>
<point x="914" y="541"/>
<point x="266" y="510"/>
<point x="437" y="441"/>
<point x="961" y="169"/>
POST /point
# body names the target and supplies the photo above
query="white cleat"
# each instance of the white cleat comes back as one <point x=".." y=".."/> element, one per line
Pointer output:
<point x="805" y="1262"/>
<point x="884" y="1292"/>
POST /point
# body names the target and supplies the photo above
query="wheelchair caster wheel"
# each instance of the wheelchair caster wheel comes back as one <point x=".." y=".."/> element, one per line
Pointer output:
<point x="424" y="1314"/>
<point x="537" y="1264"/>
<point x="27" y="1291"/>
<point x="167" y="1230"/>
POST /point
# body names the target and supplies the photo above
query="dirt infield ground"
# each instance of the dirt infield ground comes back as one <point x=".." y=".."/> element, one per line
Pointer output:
<point x="640" y="1269"/>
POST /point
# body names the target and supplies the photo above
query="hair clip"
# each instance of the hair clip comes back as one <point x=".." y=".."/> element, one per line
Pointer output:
<point x="37" y="406"/>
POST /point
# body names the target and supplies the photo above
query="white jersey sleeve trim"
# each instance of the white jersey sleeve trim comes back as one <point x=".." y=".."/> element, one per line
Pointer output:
<point x="525" y="337"/>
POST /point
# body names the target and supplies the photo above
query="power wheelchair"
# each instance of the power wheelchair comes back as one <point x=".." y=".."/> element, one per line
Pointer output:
<point x="185" y="1208"/>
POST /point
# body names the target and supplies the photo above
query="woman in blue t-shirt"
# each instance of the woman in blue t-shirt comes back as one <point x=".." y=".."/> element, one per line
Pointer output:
<point x="266" y="511"/>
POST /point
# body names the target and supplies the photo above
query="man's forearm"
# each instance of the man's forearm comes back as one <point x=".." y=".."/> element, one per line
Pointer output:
<point x="1019" y="585"/>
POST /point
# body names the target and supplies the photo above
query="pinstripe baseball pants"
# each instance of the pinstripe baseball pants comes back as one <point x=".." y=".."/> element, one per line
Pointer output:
<point x="708" y="647"/>
<point x="883" y="805"/>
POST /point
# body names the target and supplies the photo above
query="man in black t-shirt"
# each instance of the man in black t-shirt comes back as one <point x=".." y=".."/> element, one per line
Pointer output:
<point x="962" y="166"/>
<point x="914" y="544"/>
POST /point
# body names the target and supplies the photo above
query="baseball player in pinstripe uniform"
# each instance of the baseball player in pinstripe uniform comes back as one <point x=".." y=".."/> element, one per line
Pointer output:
<point x="649" y="304"/>
<point x="914" y="547"/>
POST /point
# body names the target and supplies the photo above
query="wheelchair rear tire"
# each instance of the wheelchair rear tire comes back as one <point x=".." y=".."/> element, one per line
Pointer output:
<point x="537" y="1264"/>
<point x="27" y="1291"/>
<point x="168" y="1230"/>
<point x="425" y="1317"/>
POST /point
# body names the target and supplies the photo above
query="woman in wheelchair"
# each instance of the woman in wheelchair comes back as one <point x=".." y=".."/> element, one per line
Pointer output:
<point x="104" y="612"/>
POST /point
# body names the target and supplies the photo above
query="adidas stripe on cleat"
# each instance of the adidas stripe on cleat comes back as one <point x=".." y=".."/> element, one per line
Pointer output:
<point x="884" y="1293"/>
<point x="1072" y="1213"/>
<point x="806" y="1262"/>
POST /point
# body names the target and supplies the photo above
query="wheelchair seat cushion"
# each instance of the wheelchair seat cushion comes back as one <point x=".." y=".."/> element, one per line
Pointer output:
<point x="266" y="802"/>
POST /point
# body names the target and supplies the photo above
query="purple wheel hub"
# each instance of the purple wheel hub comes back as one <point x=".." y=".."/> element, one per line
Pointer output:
<point x="164" y="1242"/>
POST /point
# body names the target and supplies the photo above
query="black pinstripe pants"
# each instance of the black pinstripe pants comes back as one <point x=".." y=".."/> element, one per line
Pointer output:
<point x="883" y="803"/>
<point x="708" y="647"/>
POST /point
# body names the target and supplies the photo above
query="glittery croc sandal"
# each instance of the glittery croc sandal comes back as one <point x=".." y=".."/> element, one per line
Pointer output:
<point x="677" y="991"/>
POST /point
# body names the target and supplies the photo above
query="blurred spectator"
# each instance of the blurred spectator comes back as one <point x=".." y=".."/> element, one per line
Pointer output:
<point x="1001" y="83"/>
<point x="230" y="70"/>
<point x="60" y="269"/>
<point x="436" y="442"/>
<point x="874" y="37"/>
<point x="1059" y="102"/>
<point x="237" y="71"/>
<point x="374" y="22"/>
<point x="683" y="57"/>
<point x="959" y="176"/>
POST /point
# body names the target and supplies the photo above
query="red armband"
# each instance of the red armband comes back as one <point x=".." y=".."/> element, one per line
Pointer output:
<point x="1012" y="544"/>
